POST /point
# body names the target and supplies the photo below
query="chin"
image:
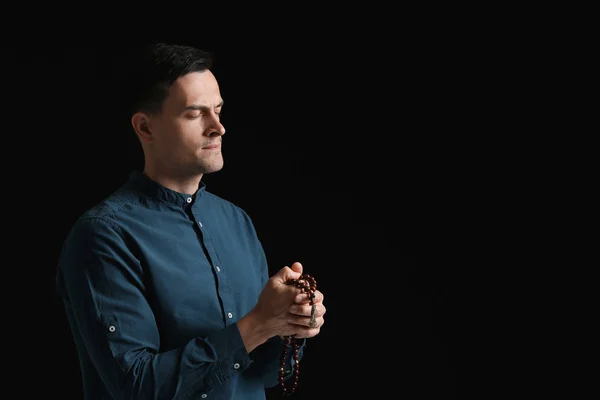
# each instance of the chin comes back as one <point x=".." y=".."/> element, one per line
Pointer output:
<point x="209" y="169"/>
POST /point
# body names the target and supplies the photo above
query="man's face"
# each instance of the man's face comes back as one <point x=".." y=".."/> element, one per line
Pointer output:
<point x="188" y="124"/>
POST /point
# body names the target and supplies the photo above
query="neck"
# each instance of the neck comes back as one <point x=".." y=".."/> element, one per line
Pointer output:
<point x="186" y="184"/>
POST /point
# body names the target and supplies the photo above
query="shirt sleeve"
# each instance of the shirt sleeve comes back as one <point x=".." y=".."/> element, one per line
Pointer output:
<point x="104" y="290"/>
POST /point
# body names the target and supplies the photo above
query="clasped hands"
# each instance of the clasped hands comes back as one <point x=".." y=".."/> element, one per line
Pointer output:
<point x="285" y="310"/>
<point x="301" y="311"/>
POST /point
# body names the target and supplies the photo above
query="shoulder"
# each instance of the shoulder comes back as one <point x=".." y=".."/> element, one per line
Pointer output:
<point x="98" y="221"/>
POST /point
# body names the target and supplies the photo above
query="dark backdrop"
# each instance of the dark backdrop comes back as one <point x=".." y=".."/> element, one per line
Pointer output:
<point x="306" y="155"/>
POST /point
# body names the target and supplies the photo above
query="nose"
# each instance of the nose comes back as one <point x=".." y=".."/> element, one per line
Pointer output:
<point x="217" y="128"/>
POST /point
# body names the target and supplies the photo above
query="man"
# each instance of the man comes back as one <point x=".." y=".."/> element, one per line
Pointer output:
<point x="165" y="284"/>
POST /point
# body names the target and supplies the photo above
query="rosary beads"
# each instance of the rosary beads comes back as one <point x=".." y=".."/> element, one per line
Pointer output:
<point x="307" y="284"/>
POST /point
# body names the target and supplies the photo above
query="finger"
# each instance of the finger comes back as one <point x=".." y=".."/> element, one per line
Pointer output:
<point x="304" y="323"/>
<point x="305" y="311"/>
<point x="304" y="298"/>
<point x="304" y="330"/>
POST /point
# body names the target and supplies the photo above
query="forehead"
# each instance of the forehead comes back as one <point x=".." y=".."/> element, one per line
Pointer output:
<point x="199" y="88"/>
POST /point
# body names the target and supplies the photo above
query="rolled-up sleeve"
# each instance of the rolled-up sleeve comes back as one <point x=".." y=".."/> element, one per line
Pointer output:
<point x="112" y="319"/>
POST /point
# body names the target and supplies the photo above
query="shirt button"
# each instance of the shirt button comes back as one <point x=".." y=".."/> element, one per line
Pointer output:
<point x="112" y="328"/>
<point x="230" y="315"/>
<point x="189" y="199"/>
<point x="236" y="365"/>
<point x="203" y="395"/>
<point x="200" y="223"/>
<point x="218" y="269"/>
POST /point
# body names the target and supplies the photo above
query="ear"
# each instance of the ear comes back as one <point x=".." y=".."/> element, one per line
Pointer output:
<point x="142" y="127"/>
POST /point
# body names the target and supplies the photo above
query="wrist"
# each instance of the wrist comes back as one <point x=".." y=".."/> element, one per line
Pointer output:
<point x="252" y="331"/>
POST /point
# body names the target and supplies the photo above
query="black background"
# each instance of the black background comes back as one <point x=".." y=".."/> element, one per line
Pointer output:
<point x="311" y="158"/>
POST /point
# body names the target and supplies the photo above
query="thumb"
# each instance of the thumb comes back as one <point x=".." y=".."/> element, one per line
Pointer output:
<point x="286" y="273"/>
<point x="297" y="267"/>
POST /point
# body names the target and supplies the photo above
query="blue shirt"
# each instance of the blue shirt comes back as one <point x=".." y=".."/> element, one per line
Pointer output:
<point x="153" y="282"/>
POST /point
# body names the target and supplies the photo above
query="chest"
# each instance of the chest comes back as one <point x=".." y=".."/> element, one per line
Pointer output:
<point x="198" y="278"/>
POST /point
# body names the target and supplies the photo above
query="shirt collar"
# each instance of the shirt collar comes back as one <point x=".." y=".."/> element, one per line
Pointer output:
<point x="143" y="183"/>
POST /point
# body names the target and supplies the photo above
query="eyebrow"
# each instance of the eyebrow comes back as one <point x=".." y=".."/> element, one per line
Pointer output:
<point x="200" y="108"/>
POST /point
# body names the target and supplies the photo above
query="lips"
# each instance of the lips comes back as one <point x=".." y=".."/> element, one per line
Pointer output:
<point x="212" y="146"/>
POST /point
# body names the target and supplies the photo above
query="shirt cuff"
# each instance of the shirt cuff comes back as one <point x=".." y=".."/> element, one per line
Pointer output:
<point x="230" y="352"/>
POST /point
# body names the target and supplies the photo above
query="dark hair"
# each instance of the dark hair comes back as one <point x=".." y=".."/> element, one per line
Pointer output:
<point x="153" y="69"/>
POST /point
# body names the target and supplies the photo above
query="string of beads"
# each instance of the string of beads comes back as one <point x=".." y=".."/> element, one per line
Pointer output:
<point x="307" y="284"/>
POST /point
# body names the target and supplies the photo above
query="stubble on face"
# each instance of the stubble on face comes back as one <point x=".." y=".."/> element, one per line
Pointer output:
<point x="195" y="102"/>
